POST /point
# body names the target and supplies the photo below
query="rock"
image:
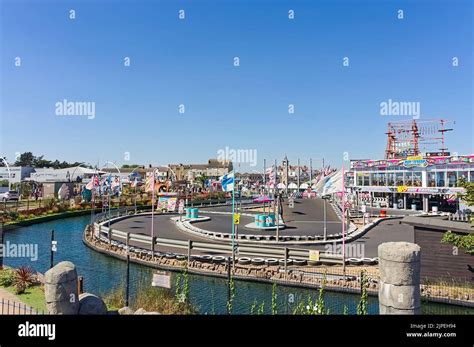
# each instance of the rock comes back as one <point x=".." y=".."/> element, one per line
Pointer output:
<point x="125" y="310"/>
<point x="140" y="311"/>
<point x="91" y="304"/>
<point x="60" y="289"/>
<point x="152" y="312"/>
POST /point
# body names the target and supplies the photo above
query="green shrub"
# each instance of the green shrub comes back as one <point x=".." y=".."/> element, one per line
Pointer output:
<point x="7" y="278"/>
<point x="24" y="278"/>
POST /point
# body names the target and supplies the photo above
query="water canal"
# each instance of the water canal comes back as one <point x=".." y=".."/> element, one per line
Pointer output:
<point x="102" y="274"/>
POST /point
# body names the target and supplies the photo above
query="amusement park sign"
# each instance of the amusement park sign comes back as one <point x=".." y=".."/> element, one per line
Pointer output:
<point x="416" y="160"/>
<point x="411" y="190"/>
<point x="412" y="161"/>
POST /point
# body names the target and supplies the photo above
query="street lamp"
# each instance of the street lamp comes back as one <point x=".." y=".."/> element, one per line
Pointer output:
<point x="9" y="173"/>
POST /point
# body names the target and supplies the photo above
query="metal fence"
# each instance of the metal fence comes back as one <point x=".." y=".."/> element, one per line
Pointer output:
<point x="12" y="307"/>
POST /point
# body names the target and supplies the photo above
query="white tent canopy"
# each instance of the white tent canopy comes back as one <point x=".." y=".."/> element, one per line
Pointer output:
<point x="281" y="186"/>
<point x="292" y="186"/>
<point x="304" y="186"/>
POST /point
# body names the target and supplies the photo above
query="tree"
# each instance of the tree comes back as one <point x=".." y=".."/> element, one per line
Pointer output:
<point x="25" y="159"/>
<point x="28" y="159"/>
<point x="464" y="242"/>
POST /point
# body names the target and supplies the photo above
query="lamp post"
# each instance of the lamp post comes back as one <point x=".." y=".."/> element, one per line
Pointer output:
<point x="9" y="173"/>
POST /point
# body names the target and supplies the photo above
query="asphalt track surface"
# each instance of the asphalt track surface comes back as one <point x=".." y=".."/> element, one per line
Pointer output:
<point x="305" y="219"/>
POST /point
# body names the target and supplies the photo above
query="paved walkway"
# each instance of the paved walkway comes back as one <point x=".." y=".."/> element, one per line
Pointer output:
<point x="11" y="304"/>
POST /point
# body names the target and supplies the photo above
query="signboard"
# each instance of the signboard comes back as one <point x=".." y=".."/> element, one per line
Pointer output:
<point x="437" y="154"/>
<point x="167" y="203"/>
<point x="291" y="203"/>
<point x="161" y="279"/>
<point x="172" y="204"/>
<point x="313" y="255"/>
<point x="402" y="189"/>
<point x="181" y="207"/>
<point x="237" y="218"/>
<point x="363" y="208"/>
<point x="54" y="246"/>
<point x="419" y="161"/>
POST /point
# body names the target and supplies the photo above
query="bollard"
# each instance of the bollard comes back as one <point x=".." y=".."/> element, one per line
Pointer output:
<point x="399" y="267"/>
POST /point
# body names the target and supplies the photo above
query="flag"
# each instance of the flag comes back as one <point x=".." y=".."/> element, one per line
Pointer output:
<point x="271" y="172"/>
<point x="150" y="182"/>
<point x="93" y="182"/>
<point x="227" y="182"/>
<point x="115" y="183"/>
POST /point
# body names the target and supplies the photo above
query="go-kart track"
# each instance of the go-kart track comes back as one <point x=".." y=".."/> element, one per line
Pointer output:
<point x="175" y="246"/>
<point x="306" y="219"/>
<point x="305" y="223"/>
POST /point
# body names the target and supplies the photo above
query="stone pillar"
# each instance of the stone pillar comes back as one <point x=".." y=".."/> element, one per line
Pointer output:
<point x="61" y="290"/>
<point x="399" y="288"/>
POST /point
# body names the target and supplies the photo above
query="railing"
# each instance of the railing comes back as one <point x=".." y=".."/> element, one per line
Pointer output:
<point x="149" y="245"/>
<point x="12" y="307"/>
<point x="129" y="210"/>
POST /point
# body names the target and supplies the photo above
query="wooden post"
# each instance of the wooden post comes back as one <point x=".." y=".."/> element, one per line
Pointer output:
<point x="52" y="252"/>
<point x="153" y="241"/>
<point x="190" y="246"/>
<point x="109" y="234"/>
<point x="80" y="284"/>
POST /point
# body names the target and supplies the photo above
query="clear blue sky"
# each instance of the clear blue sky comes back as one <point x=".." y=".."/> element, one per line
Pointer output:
<point x="190" y="61"/>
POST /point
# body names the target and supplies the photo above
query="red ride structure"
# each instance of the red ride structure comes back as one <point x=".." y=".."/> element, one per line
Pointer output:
<point x="411" y="137"/>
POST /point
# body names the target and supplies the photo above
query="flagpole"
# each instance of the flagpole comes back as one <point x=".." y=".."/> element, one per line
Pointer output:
<point x="264" y="182"/>
<point x="152" y="204"/>
<point x="92" y="190"/>
<point x="343" y="226"/>
<point x="233" y="224"/>
<point x="276" y="204"/>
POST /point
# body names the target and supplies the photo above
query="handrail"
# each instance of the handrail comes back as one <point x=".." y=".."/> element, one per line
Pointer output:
<point x="261" y="251"/>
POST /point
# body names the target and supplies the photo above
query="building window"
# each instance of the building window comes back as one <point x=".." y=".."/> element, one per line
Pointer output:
<point x="360" y="179"/>
<point x="409" y="178"/>
<point x="366" y="179"/>
<point x="471" y="176"/>
<point x="399" y="178"/>
<point x="374" y="179"/>
<point x="417" y="179"/>
<point x="440" y="179"/>
<point x="463" y="175"/>
<point x="452" y="178"/>
<point x="391" y="179"/>
<point x="431" y="179"/>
